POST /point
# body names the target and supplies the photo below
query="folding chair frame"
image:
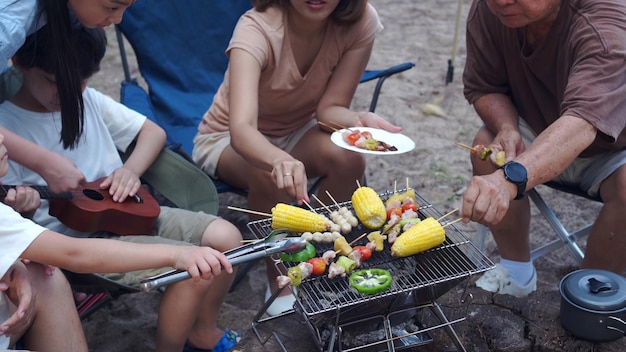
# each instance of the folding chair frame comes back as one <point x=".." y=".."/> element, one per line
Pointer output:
<point x="565" y="238"/>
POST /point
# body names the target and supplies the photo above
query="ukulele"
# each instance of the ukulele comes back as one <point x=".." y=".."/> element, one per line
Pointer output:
<point x="91" y="209"/>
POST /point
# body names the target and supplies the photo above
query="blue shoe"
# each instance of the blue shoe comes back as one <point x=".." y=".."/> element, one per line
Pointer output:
<point x="226" y="343"/>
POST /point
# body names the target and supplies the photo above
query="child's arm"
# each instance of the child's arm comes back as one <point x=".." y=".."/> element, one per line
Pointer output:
<point x="125" y="180"/>
<point x="60" y="173"/>
<point x="94" y="255"/>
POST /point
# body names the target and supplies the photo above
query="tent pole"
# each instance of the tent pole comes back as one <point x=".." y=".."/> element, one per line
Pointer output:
<point x="450" y="74"/>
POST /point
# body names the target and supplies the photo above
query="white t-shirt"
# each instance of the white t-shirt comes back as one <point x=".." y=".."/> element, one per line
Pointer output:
<point x="108" y="127"/>
<point x="16" y="234"/>
<point x="17" y="20"/>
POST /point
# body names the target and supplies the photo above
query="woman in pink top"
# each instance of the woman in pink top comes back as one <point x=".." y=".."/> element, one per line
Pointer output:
<point x="292" y="63"/>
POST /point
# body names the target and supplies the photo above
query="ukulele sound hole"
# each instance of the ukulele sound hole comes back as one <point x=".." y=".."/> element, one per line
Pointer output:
<point x="91" y="194"/>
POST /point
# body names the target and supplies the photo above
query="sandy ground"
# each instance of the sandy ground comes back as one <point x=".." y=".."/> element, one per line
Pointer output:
<point x="422" y="32"/>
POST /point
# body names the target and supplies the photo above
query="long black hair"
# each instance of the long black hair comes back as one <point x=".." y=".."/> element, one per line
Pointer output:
<point x="62" y="54"/>
<point x="90" y="42"/>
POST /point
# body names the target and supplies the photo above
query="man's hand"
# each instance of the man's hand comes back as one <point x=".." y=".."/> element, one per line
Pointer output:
<point x="487" y="199"/>
<point x="508" y="140"/>
<point x="18" y="287"/>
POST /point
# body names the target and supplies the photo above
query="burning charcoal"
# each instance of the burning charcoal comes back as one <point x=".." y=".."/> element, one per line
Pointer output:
<point x="363" y="338"/>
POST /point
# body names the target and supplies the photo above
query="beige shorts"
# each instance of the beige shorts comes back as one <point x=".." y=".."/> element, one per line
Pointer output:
<point x="174" y="226"/>
<point x="585" y="173"/>
<point x="209" y="147"/>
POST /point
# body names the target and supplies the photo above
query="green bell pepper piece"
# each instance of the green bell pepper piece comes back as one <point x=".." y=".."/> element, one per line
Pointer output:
<point x="370" y="281"/>
<point x="300" y="256"/>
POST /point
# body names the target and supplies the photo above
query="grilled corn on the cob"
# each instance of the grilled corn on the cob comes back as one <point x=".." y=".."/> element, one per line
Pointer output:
<point x="369" y="208"/>
<point x="418" y="238"/>
<point x="295" y="219"/>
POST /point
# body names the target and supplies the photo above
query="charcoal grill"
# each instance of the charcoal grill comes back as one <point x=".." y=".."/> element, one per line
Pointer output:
<point x="335" y="313"/>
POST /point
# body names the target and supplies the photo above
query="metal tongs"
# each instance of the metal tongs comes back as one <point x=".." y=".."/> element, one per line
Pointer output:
<point x="267" y="246"/>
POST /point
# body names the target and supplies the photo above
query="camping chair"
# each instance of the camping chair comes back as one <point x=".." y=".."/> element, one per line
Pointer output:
<point x="180" y="47"/>
<point x="564" y="237"/>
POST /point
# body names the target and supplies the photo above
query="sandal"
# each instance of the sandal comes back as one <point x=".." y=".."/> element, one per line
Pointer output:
<point x="226" y="343"/>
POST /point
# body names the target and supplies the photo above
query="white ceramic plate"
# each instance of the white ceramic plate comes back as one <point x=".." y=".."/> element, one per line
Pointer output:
<point x="398" y="140"/>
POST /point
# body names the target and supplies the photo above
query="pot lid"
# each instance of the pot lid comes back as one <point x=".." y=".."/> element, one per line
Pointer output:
<point x="594" y="289"/>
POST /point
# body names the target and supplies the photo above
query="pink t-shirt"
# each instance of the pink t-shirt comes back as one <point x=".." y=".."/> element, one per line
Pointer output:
<point x="287" y="100"/>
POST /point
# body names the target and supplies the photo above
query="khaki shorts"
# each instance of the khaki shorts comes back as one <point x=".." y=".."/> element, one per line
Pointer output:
<point x="585" y="173"/>
<point x="209" y="147"/>
<point x="174" y="226"/>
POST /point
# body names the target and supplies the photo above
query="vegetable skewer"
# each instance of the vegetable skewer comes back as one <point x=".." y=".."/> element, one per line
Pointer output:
<point x="485" y="152"/>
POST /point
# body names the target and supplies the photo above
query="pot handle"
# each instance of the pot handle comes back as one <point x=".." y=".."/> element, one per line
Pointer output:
<point x="596" y="286"/>
<point x="619" y="321"/>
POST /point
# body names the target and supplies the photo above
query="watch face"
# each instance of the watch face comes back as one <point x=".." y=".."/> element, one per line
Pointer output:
<point x="515" y="171"/>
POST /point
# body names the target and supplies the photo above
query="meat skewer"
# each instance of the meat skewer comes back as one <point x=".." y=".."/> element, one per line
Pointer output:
<point x="485" y="152"/>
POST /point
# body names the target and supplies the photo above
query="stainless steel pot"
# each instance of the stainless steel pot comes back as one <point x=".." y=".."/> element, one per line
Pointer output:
<point x="593" y="304"/>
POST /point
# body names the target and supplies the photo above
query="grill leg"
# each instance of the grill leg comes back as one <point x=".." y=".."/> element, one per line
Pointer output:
<point x="448" y="327"/>
<point x="258" y="320"/>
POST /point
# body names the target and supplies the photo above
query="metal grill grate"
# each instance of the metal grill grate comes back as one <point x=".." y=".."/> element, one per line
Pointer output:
<point x="431" y="273"/>
<point x="418" y="280"/>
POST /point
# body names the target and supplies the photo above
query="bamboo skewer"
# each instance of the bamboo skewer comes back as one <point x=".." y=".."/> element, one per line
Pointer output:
<point x="310" y="207"/>
<point x="465" y="146"/>
<point x="340" y="126"/>
<point x="388" y="229"/>
<point x="354" y="241"/>
<point x="333" y="199"/>
<point x="357" y="239"/>
<point x="249" y="211"/>
<point x="322" y="203"/>
<point x="260" y="239"/>
<point x="449" y="213"/>
<point x="337" y="126"/>
<point x="327" y="126"/>
<point x="452" y="222"/>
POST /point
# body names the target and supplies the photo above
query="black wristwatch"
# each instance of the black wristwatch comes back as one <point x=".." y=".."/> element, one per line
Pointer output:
<point x="515" y="173"/>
